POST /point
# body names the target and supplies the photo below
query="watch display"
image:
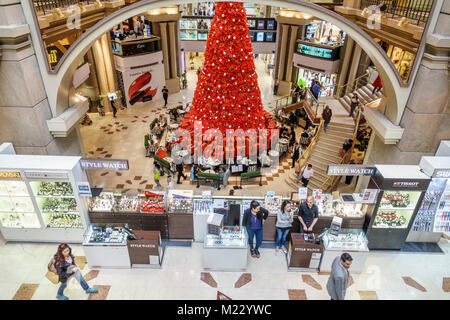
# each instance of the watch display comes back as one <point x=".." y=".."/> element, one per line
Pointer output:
<point x="346" y="239"/>
<point x="127" y="203"/>
<point x="272" y="204"/>
<point x="153" y="204"/>
<point x="442" y="217"/>
<point x="103" y="202"/>
<point x="62" y="220"/>
<point x="392" y="218"/>
<point x="44" y="188"/>
<point x="329" y="208"/>
<point x="203" y="206"/>
<point x="424" y="218"/>
<point x="228" y="237"/>
<point x="180" y="201"/>
<point x="104" y="234"/>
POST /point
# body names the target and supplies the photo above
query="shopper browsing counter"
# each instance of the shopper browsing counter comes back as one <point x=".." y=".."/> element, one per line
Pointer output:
<point x="253" y="221"/>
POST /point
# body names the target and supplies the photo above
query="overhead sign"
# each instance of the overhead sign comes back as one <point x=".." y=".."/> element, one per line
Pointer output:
<point x="45" y="175"/>
<point x="441" y="173"/>
<point x="10" y="174"/>
<point x="350" y="170"/>
<point x="104" y="164"/>
<point x="84" y="189"/>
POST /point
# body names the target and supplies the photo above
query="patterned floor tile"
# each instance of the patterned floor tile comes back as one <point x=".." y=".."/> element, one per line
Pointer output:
<point x="80" y="261"/>
<point x="297" y="294"/>
<point x="125" y="190"/>
<point x="143" y="181"/>
<point x="26" y="291"/>
<point x="137" y="177"/>
<point x="104" y="174"/>
<point x="446" y="284"/>
<point x="53" y="278"/>
<point x="149" y="186"/>
<point x="222" y="296"/>
<point x="413" y="283"/>
<point x="368" y="295"/>
<point x="207" y="278"/>
<point x="102" y="293"/>
<point x="129" y="182"/>
<point x="118" y="174"/>
<point x="99" y="149"/>
<point x="120" y="186"/>
<point x="108" y="156"/>
<point x="309" y="280"/>
<point x="269" y="178"/>
<point x="91" y="275"/>
<point x="243" y="280"/>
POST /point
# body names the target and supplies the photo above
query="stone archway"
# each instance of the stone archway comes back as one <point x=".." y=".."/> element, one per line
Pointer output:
<point x="58" y="82"/>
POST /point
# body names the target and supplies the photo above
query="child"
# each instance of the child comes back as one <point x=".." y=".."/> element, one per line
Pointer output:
<point x="156" y="176"/>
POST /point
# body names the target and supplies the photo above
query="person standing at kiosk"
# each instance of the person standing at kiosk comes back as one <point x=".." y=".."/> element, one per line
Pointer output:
<point x="253" y="221"/>
<point x="308" y="214"/>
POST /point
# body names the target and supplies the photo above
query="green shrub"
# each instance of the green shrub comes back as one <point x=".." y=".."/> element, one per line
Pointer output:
<point x="248" y="175"/>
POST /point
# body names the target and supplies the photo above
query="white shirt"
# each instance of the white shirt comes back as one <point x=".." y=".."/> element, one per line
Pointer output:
<point x="307" y="173"/>
<point x="171" y="185"/>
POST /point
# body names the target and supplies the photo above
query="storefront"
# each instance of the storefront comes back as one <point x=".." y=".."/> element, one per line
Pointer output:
<point x="40" y="198"/>
<point x="433" y="217"/>
<point x="402" y="189"/>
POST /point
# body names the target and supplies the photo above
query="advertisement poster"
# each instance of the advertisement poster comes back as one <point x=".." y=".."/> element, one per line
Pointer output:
<point x="317" y="194"/>
<point x="302" y="193"/>
<point x="143" y="84"/>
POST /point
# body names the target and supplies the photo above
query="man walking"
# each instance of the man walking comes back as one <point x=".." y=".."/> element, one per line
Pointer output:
<point x="326" y="116"/>
<point x="306" y="174"/>
<point x="338" y="280"/>
<point x="295" y="154"/>
<point x="165" y="93"/>
<point x="179" y="168"/>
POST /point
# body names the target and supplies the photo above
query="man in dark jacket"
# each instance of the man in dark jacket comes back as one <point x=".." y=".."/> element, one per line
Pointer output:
<point x="165" y="93"/>
<point x="338" y="280"/>
<point x="326" y="116"/>
<point x="179" y="168"/>
<point x="253" y="221"/>
<point x="295" y="154"/>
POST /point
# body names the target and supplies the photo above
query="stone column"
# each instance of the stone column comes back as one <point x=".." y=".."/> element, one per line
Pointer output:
<point x="348" y="48"/>
<point x="24" y="107"/>
<point x="283" y="87"/>
<point x="355" y="63"/>
<point x="363" y="181"/>
<point x="101" y="72"/>
<point x="268" y="12"/>
<point x="109" y="63"/>
<point x="290" y="53"/>
<point x="190" y="12"/>
<point x="173" y="50"/>
<point x="165" y="49"/>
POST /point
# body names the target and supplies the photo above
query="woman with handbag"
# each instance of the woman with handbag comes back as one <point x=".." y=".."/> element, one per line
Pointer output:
<point x="63" y="264"/>
<point x="284" y="223"/>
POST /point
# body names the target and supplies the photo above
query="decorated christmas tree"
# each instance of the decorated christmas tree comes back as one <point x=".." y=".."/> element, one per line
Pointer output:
<point x="227" y="94"/>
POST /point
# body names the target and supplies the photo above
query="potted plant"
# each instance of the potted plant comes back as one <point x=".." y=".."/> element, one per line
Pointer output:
<point x="100" y="107"/>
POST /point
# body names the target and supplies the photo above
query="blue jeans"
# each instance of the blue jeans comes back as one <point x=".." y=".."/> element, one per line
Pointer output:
<point x="77" y="276"/>
<point x="325" y="126"/>
<point x="259" y="236"/>
<point x="282" y="235"/>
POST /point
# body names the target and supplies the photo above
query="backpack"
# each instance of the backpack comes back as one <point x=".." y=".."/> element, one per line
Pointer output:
<point x="51" y="266"/>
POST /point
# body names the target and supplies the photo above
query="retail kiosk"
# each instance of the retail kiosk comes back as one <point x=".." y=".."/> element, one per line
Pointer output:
<point x="401" y="191"/>
<point x="39" y="198"/>
<point x="304" y="254"/>
<point x="433" y="217"/>
<point x="180" y="214"/>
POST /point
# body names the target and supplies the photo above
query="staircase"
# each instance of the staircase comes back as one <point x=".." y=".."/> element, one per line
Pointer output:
<point x="365" y="96"/>
<point x="325" y="152"/>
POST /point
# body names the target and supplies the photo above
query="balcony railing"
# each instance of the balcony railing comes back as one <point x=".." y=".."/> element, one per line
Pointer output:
<point x="46" y="6"/>
<point x="416" y="10"/>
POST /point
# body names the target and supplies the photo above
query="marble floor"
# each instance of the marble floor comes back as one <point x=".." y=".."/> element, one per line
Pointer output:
<point x="123" y="138"/>
<point x="386" y="276"/>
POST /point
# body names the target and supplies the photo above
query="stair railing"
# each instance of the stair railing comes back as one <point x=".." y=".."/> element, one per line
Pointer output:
<point x="352" y="85"/>
<point x="307" y="153"/>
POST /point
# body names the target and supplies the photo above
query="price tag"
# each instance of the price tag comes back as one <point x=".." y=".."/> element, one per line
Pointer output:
<point x="369" y="195"/>
<point x="302" y="193"/>
<point x="317" y="194"/>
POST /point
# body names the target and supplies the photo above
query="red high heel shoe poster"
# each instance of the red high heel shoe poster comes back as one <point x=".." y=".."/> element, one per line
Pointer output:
<point x="143" y="85"/>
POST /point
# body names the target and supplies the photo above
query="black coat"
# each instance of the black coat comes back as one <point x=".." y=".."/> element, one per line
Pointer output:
<point x="296" y="153"/>
<point x="247" y="214"/>
<point x="62" y="269"/>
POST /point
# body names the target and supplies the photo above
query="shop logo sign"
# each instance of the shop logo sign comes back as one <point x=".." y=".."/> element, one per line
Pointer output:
<point x="104" y="164"/>
<point x="406" y="184"/>
<point x="441" y="174"/>
<point x="9" y="174"/>
<point x="350" y="170"/>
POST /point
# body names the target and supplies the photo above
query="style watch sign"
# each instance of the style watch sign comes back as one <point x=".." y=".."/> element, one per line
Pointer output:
<point x="350" y="170"/>
<point x="104" y="164"/>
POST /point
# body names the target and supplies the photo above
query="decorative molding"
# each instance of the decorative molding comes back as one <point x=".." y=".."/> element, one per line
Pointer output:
<point x="388" y="132"/>
<point x="63" y="125"/>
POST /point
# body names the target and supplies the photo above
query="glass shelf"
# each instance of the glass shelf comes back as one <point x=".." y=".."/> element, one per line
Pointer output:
<point x="228" y="238"/>
<point x="54" y="189"/>
<point x="346" y="239"/>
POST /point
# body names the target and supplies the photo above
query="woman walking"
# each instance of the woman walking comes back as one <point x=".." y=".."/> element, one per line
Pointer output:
<point x="284" y="224"/>
<point x="63" y="264"/>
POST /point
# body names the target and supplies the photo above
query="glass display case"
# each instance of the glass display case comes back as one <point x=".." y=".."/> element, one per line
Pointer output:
<point x="127" y="203"/>
<point x="347" y="239"/>
<point x="344" y="209"/>
<point x="105" y="234"/>
<point x="101" y="203"/>
<point x="57" y="204"/>
<point x="153" y="203"/>
<point x="16" y="206"/>
<point x="180" y="201"/>
<point x="442" y="217"/>
<point x="140" y="45"/>
<point x="396" y="209"/>
<point x="229" y="237"/>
